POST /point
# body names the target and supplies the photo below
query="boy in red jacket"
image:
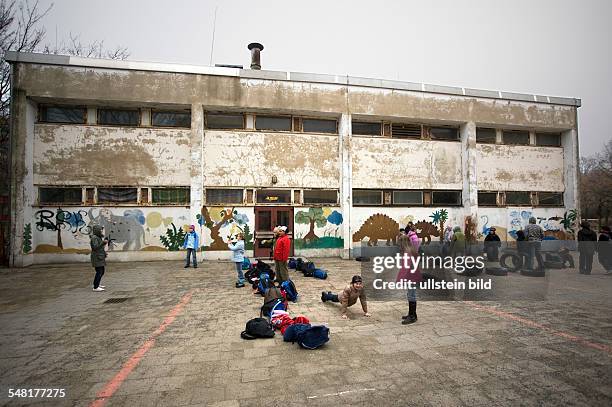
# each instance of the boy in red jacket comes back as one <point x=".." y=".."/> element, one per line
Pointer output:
<point x="281" y="255"/>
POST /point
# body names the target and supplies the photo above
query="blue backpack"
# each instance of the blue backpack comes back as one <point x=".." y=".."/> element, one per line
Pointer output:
<point x="246" y="264"/>
<point x="313" y="337"/>
<point x="264" y="283"/>
<point x="293" y="330"/>
<point x="308" y="269"/>
<point x="319" y="273"/>
<point x="292" y="263"/>
<point x="290" y="290"/>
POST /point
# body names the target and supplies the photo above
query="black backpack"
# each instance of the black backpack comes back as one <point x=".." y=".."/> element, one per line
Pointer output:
<point x="308" y="269"/>
<point x="257" y="328"/>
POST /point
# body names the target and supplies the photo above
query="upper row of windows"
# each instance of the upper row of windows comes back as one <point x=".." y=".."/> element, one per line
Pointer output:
<point x="238" y="121"/>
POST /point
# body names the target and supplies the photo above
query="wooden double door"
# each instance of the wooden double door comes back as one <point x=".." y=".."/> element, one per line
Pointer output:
<point x="266" y="219"/>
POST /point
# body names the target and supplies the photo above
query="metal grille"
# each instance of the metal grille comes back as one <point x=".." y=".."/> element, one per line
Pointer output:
<point x="115" y="300"/>
<point x="406" y="130"/>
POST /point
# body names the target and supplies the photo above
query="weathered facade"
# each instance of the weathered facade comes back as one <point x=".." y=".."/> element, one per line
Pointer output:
<point x="146" y="149"/>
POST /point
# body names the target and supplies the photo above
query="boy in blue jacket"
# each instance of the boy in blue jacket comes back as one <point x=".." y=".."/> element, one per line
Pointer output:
<point x="192" y="242"/>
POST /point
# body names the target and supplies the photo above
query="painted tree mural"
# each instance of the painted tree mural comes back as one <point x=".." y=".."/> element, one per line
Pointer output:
<point x="313" y="217"/>
<point x="174" y="239"/>
<point x="27" y="238"/>
<point x="439" y="217"/>
<point x="214" y="226"/>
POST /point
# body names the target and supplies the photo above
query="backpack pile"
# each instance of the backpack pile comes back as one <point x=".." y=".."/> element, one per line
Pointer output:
<point x="309" y="269"/>
<point x="306" y="335"/>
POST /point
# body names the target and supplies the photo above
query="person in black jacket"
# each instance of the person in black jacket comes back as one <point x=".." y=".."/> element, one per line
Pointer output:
<point x="586" y="247"/>
<point x="604" y="249"/>
<point x="492" y="245"/>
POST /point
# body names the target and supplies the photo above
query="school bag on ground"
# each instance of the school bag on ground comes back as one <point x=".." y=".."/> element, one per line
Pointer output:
<point x="319" y="273"/>
<point x="270" y="306"/>
<point x="291" y="263"/>
<point x="257" y="328"/>
<point x="273" y="293"/>
<point x="299" y="264"/>
<point x="290" y="290"/>
<point x="308" y="269"/>
<point x="292" y="331"/>
<point x="246" y="264"/>
<point x="264" y="284"/>
<point x="313" y="337"/>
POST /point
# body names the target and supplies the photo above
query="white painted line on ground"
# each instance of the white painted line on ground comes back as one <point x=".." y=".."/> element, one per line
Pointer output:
<point x="340" y="393"/>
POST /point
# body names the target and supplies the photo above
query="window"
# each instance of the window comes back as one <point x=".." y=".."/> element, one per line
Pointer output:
<point x="367" y="197"/>
<point x="319" y="126"/>
<point x="171" y="196"/>
<point x="444" y="133"/>
<point x="518" y="198"/>
<point x="274" y="123"/>
<point x="407" y="198"/>
<point x="117" y="195"/>
<point x="548" y="139"/>
<point x="273" y="196"/>
<point x="224" y="121"/>
<point x="119" y="117"/>
<point x="321" y="196"/>
<point x="487" y="198"/>
<point x="400" y="130"/>
<point x="446" y="198"/>
<point x="516" y="137"/>
<point x="51" y="195"/>
<point x="171" y="119"/>
<point x="223" y="196"/>
<point x="485" y="135"/>
<point x="366" y="128"/>
<point x="63" y="114"/>
<point x="550" y="198"/>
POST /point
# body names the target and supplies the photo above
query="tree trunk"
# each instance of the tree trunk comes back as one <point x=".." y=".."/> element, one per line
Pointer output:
<point x="311" y="233"/>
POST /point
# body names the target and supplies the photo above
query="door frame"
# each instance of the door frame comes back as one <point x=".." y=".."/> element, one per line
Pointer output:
<point x="263" y="234"/>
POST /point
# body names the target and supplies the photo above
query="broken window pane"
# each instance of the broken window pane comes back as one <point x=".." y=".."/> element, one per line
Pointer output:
<point x="171" y="119"/>
<point x="221" y="121"/>
<point x="63" y="114"/>
<point x="117" y="195"/>
<point x="117" y="117"/>
<point x="274" y="123"/>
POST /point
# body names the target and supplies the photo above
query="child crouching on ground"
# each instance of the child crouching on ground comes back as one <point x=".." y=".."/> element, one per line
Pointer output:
<point x="349" y="296"/>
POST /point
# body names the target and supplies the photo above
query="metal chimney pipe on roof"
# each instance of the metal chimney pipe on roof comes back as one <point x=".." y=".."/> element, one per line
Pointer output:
<point x="255" y="48"/>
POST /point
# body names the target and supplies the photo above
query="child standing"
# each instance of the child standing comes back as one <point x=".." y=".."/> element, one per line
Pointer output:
<point x="237" y="248"/>
<point x="191" y="243"/>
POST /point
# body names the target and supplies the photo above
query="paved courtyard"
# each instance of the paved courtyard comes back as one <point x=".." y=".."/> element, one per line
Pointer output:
<point x="176" y="341"/>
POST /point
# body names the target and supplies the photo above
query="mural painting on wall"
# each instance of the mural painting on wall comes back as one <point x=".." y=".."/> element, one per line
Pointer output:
<point x="27" y="238"/>
<point x="486" y="228"/>
<point x="377" y="227"/>
<point x="57" y="221"/>
<point x="439" y="217"/>
<point x="215" y="219"/>
<point x="327" y="221"/>
<point x="555" y="227"/>
<point x="174" y="238"/>
<point x="470" y="229"/>
<point x="127" y="229"/>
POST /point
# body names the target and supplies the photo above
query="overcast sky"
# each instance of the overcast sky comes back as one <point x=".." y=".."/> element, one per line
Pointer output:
<point x="549" y="47"/>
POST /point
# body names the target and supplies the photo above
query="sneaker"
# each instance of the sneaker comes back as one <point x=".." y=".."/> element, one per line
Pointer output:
<point x="102" y="286"/>
<point x="186" y="266"/>
<point x="239" y="285"/>
<point x="99" y="289"/>
<point x="323" y="296"/>
<point x="195" y="267"/>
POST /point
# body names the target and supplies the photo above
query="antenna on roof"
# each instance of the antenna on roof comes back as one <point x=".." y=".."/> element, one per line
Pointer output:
<point x="212" y="45"/>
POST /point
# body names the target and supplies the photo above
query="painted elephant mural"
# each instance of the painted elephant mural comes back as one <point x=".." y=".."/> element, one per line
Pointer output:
<point x="127" y="229"/>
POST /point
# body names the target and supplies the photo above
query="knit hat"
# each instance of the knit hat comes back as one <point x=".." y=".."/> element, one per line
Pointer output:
<point x="356" y="279"/>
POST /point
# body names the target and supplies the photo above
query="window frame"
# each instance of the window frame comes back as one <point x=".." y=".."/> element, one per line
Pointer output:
<point x="517" y="192"/>
<point x="459" y="200"/>
<point x="208" y="113"/>
<point x="404" y="137"/>
<point x="138" y="110"/>
<point x="255" y="116"/>
<point x="380" y="123"/>
<point x="42" y="109"/>
<point x="382" y="198"/>
<point x="541" y="133"/>
<point x="516" y="131"/>
<point x="153" y="111"/>
<point x="127" y="203"/>
<point x="487" y="142"/>
<point x="305" y="191"/>
<point x="260" y="190"/>
<point x="153" y="203"/>
<point x="393" y="203"/>
<point x="207" y="191"/>
<point x="431" y="128"/>
<point x="489" y="205"/>
<point x="304" y="118"/>
<point x="560" y="194"/>
<point x="53" y="203"/>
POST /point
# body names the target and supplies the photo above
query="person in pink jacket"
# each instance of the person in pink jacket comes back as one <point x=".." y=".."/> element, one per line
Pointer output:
<point x="414" y="274"/>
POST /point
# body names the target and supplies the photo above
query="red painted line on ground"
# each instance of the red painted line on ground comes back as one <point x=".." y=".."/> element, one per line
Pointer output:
<point x="565" y="335"/>
<point x="113" y="385"/>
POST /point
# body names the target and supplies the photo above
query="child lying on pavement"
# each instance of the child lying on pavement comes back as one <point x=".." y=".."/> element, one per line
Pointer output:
<point x="349" y="296"/>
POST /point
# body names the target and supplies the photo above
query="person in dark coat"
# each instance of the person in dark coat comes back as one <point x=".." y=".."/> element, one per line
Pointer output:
<point x="521" y="246"/>
<point x="604" y="249"/>
<point x="586" y="247"/>
<point x="492" y="245"/>
<point x="98" y="255"/>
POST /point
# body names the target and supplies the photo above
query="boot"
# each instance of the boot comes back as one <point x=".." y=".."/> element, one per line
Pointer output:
<point x="412" y="316"/>
<point x="323" y="296"/>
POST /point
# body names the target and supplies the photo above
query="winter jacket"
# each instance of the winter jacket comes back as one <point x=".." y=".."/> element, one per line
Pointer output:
<point x="237" y="251"/>
<point x="533" y="233"/>
<point x="349" y="297"/>
<point x="586" y="239"/>
<point x="414" y="240"/>
<point x="196" y="242"/>
<point x="98" y="254"/>
<point x="281" y="249"/>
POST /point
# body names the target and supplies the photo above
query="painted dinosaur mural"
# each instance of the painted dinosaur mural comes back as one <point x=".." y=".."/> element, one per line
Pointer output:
<point x="425" y="230"/>
<point x="377" y="227"/>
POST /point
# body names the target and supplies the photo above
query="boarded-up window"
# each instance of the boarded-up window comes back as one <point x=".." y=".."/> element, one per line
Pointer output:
<point x="548" y="139"/>
<point x="487" y="198"/>
<point x="367" y="197"/>
<point x="485" y="135"/>
<point x="403" y="130"/>
<point x="144" y="195"/>
<point x="518" y="198"/>
<point x="444" y="133"/>
<point x="171" y="196"/>
<point x="63" y="114"/>
<point x="273" y="196"/>
<point x="223" y="196"/>
<point x="451" y="198"/>
<point x="408" y="197"/>
<point x="319" y="126"/>
<point x="550" y="198"/>
<point x="516" y="137"/>
<point x="321" y="196"/>
<point x="117" y="195"/>
<point x="273" y="123"/>
<point x="171" y="119"/>
<point x="118" y="117"/>
<point x="52" y="195"/>
<point x="367" y="128"/>
<point x="224" y="121"/>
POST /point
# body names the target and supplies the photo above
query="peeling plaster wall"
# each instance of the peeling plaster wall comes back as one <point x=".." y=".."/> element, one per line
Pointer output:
<point x="251" y="158"/>
<point x="97" y="155"/>
<point x="519" y="168"/>
<point x="406" y="164"/>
